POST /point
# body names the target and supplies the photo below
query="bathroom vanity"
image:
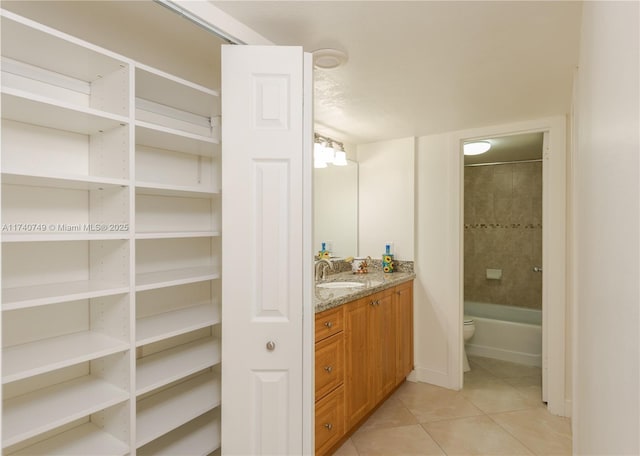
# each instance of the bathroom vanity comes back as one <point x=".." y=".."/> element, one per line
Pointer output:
<point x="363" y="348"/>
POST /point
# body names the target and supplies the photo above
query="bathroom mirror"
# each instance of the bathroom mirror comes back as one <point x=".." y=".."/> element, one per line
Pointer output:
<point x="335" y="209"/>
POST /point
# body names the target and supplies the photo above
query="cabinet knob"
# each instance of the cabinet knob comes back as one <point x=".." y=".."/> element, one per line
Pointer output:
<point x="328" y="324"/>
<point x="329" y="426"/>
<point x="328" y="369"/>
<point x="271" y="345"/>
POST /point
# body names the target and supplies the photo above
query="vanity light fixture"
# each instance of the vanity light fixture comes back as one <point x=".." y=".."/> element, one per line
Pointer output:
<point x="476" y="147"/>
<point x="328" y="151"/>
<point x="340" y="158"/>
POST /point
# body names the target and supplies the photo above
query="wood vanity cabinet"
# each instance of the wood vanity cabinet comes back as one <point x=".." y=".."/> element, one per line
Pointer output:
<point x="382" y="343"/>
<point x="329" y="378"/>
<point x="364" y="349"/>
<point x="403" y="305"/>
<point x="358" y="372"/>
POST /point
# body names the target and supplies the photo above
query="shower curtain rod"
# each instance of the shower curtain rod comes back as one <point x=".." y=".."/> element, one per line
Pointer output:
<point x="505" y="162"/>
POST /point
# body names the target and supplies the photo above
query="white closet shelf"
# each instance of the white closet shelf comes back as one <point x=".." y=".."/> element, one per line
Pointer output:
<point x="170" y="365"/>
<point x="170" y="278"/>
<point x="170" y="90"/>
<point x="169" y="324"/>
<point x="158" y="137"/>
<point x="198" y="437"/>
<point x="36" y="44"/>
<point x="79" y="441"/>
<point x="175" y="406"/>
<point x="72" y="182"/>
<point x="149" y="188"/>
<point x="34" y="109"/>
<point x="33" y="358"/>
<point x="64" y="236"/>
<point x="31" y="414"/>
<point x="53" y="293"/>
<point x="177" y="234"/>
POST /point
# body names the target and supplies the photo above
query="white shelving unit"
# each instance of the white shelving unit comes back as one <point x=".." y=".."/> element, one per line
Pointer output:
<point x="33" y="358"/>
<point x="200" y="436"/>
<point x="111" y="218"/>
<point x="31" y="414"/>
<point x="173" y="407"/>
<point x="177" y="236"/>
<point x="79" y="441"/>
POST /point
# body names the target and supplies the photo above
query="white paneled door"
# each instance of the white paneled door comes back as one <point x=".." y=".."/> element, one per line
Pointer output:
<point x="263" y="294"/>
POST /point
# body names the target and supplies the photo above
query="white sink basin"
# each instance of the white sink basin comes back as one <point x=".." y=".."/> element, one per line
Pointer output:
<point x="340" y="285"/>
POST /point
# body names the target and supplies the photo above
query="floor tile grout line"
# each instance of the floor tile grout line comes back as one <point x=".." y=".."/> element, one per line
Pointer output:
<point x="433" y="438"/>
<point x="511" y="434"/>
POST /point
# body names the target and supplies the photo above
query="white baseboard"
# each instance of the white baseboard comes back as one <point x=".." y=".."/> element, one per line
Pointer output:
<point x="433" y="377"/>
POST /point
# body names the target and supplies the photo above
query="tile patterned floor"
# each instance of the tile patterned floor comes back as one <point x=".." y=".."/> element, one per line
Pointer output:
<point x="499" y="412"/>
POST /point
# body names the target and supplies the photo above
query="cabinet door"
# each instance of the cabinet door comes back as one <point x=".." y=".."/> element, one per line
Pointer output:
<point x="358" y="394"/>
<point x="383" y="343"/>
<point x="329" y="364"/>
<point x="329" y="420"/>
<point x="403" y="303"/>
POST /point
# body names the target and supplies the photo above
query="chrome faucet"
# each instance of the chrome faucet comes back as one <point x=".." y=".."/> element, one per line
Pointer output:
<point x="321" y="268"/>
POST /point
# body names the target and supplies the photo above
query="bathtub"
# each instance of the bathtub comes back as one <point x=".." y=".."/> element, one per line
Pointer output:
<point x="505" y="332"/>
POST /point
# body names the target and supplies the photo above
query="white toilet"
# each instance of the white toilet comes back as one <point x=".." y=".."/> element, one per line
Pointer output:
<point x="469" y="330"/>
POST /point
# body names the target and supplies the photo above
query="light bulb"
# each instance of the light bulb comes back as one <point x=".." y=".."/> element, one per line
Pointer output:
<point x="476" y="148"/>
<point x="340" y="159"/>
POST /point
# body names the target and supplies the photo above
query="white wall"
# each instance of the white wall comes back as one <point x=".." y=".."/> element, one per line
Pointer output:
<point x="386" y="197"/>
<point x="437" y="290"/>
<point x="606" y="416"/>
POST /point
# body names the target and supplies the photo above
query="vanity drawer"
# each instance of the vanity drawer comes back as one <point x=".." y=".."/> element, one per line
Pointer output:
<point x="329" y="322"/>
<point x="329" y="420"/>
<point x="329" y="364"/>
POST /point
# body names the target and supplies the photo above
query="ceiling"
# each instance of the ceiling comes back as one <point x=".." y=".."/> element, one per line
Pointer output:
<point x="425" y="67"/>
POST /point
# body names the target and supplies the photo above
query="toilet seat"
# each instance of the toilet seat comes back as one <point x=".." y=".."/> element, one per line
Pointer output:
<point x="468" y="320"/>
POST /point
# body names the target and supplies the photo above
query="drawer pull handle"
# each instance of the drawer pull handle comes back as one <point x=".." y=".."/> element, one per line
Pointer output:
<point x="328" y="369"/>
<point x="328" y="324"/>
<point x="271" y="345"/>
<point x="329" y="426"/>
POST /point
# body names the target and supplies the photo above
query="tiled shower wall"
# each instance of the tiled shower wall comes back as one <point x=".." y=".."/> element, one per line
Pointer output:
<point x="503" y="230"/>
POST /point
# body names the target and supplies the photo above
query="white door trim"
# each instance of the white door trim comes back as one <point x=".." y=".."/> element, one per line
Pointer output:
<point x="308" y="285"/>
<point x="553" y="250"/>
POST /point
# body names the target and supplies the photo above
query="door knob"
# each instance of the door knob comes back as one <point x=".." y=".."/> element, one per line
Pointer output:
<point x="271" y="345"/>
<point x="328" y="369"/>
<point x="537" y="269"/>
<point x="329" y="426"/>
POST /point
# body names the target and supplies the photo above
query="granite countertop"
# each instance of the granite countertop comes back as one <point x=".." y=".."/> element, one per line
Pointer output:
<point x="328" y="298"/>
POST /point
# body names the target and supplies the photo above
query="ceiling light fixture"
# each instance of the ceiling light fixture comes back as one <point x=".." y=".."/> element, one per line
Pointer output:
<point x="476" y="148"/>
<point x="329" y="59"/>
